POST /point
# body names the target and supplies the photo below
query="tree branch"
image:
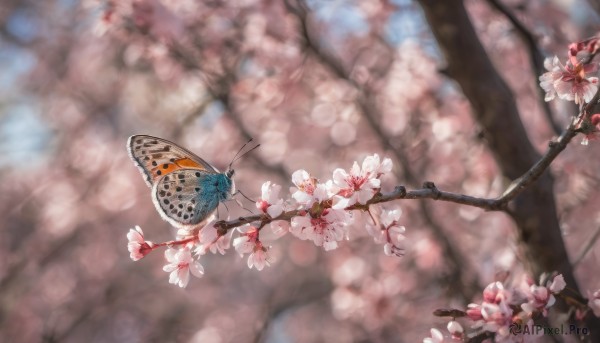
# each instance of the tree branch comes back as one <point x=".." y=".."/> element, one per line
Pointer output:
<point x="534" y="210"/>
<point x="370" y="112"/>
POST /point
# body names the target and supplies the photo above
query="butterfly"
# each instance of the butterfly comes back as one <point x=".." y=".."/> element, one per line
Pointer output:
<point x="185" y="189"/>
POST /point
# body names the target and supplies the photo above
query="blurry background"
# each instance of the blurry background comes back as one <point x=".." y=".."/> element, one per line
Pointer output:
<point x="319" y="84"/>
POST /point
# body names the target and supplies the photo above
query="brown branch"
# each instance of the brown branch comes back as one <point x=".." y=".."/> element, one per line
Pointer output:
<point x="555" y="147"/>
<point x="587" y="247"/>
<point x="429" y="191"/>
<point x="534" y="211"/>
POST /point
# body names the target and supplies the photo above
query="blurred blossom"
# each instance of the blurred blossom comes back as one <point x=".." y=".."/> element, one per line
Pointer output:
<point x="207" y="335"/>
<point x="594" y="302"/>
<point x="274" y="146"/>
<point x="352" y="270"/>
<point x="539" y="299"/>
<point x="558" y="284"/>
<point x="436" y="337"/>
<point x="345" y="303"/>
<point x="593" y="129"/>
<point x="56" y="284"/>
<point x="324" y="114"/>
<point x="456" y="330"/>
<point x="343" y="133"/>
<point x="58" y="213"/>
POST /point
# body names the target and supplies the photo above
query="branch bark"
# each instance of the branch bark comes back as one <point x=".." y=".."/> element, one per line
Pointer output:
<point x="534" y="211"/>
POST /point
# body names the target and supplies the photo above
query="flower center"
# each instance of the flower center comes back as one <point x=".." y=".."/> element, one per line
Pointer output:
<point x="319" y="223"/>
<point x="307" y="187"/>
<point x="356" y="182"/>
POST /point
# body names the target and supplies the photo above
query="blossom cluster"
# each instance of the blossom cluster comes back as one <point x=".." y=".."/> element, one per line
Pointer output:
<point x="504" y="310"/>
<point x="321" y="212"/>
<point x="575" y="80"/>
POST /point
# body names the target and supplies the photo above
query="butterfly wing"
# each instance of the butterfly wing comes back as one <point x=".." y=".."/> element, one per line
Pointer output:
<point x="156" y="157"/>
<point x="186" y="197"/>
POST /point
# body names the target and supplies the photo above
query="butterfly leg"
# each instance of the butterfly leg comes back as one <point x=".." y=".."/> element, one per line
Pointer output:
<point x="239" y="202"/>
<point x="244" y="195"/>
<point x="227" y="208"/>
<point x="242" y="206"/>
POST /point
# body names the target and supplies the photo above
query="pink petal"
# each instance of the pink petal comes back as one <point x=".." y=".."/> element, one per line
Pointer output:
<point x="339" y="177"/>
<point x="197" y="269"/>
<point x="340" y="203"/>
<point x="558" y="284"/>
<point x="275" y="210"/>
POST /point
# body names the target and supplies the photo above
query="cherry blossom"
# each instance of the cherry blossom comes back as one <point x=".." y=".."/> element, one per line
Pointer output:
<point x="594" y="302"/>
<point x="581" y="51"/>
<point x="270" y="202"/>
<point x="314" y="218"/>
<point x="372" y="164"/>
<point x="503" y="309"/>
<point x="592" y="129"/>
<point x="279" y="228"/>
<point x="307" y="190"/>
<point x="388" y="232"/>
<point x="569" y="82"/>
<point x="436" y="337"/>
<point x="360" y="184"/>
<point x="474" y="312"/>
<point x="455" y="329"/>
<point x="540" y="299"/>
<point x="496" y="318"/>
<point x="249" y="243"/>
<point x="209" y="233"/>
<point x="558" y="284"/>
<point x="211" y="240"/>
<point x="180" y="264"/>
<point x="496" y="293"/>
<point x="495" y="314"/>
<point x="324" y="229"/>
<point x="137" y="246"/>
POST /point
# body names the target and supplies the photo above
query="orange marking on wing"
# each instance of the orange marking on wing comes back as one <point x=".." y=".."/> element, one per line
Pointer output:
<point x="189" y="163"/>
<point x="182" y="163"/>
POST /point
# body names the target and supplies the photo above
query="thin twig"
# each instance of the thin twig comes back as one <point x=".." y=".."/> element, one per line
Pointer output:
<point x="586" y="249"/>
<point x="429" y="191"/>
<point x="536" y="57"/>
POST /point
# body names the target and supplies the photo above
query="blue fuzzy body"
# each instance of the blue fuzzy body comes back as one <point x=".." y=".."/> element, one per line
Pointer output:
<point x="214" y="188"/>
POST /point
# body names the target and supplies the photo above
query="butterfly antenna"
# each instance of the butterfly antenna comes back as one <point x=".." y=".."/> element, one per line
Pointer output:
<point x="238" y="156"/>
